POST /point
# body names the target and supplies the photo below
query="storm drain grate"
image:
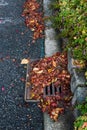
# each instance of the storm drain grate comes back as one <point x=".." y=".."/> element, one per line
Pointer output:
<point x="51" y="90"/>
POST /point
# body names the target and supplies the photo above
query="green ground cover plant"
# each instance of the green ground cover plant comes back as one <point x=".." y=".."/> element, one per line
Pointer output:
<point x="81" y="121"/>
<point x="70" y="17"/>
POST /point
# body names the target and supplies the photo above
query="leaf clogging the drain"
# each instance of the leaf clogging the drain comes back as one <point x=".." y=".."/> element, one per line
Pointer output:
<point x="47" y="71"/>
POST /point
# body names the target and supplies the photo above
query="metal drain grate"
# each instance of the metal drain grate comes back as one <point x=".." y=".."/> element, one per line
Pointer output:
<point x="52" y="90"/>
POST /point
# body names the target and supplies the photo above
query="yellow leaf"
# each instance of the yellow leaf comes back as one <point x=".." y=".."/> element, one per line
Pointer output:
<point x="86" y="73"/>
<point x="49" y="70"/>
<point x="83" y="32"/>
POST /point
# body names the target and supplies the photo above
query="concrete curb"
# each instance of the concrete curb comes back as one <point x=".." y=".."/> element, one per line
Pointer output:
<point x="52" y="46"/>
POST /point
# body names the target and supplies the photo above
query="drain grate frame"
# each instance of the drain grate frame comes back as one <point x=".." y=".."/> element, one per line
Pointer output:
<point x="50" y="90"/>
<point x="28" y="86"/>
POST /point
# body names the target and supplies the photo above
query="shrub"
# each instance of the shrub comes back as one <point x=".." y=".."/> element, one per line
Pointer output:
<point x="70" y="17"/>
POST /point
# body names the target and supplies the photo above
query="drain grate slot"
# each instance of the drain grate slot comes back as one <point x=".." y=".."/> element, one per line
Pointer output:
<point x="52" y="90"/>
<point x="46" y="91"/>
<point x="59" y="89"/>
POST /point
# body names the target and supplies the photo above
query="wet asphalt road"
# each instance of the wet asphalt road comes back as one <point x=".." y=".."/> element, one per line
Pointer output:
<point x="16" y="44"/>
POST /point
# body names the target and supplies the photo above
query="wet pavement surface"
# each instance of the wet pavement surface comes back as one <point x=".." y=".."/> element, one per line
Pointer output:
<point x="16" y="44"/>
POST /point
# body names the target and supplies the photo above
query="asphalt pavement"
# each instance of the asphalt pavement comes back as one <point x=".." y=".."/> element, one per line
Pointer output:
<point x="16" y="44"/>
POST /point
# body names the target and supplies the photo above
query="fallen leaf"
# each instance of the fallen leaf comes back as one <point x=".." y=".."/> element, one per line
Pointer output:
<point x="22" y="79"/>
<point x="13" y="60"/>
<point x="3" y="89"/>
<point x="35" y="69"/>
<point x="54" y="63"/>
<point x="25" y="61"/>
<point x="84" y="125"/>
<point x="39" y="72"/>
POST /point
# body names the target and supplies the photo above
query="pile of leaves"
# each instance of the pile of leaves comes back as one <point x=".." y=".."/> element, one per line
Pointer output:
<point x="34" y="18"/>
<point x="51" y="70"/>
